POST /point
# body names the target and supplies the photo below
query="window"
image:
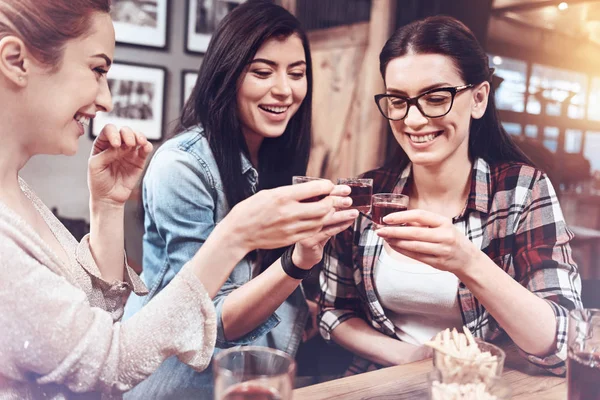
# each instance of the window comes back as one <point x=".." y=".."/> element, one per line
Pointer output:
<point x="510" y="95"/>
<point x="594" y="101"/>
<point x="512" y="128"/>
<point x="551" y="138"/>
<point x="573" y="140"/>
<point x="591" y="149"/>
<point x="531" y="131"/>
<point x="551" y="87"/>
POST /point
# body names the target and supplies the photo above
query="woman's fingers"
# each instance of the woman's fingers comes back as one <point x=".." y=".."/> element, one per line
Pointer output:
<point x="416" y="247"/>
<point x="340" y="190"/>
<point x="125" y="138"/>
<point x="417" y="217"/>
<point x="417" y="233"/>
<point x="128" y="137"/>
<point x="108" y="137"/>
<point x="331" y="230"/>
<point x="309" y="190"/>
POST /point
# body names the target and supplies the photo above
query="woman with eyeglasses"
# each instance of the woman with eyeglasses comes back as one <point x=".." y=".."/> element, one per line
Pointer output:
<point x="483" y="242"/>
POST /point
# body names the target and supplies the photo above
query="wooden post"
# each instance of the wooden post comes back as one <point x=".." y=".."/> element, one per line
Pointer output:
<point x="371" y="126"/>
<point x="348" y="131"/>
<point x="289" y="5"/>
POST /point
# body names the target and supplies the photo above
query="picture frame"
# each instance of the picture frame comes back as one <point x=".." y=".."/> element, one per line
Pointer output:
<point x="188" y="81"/>
<point x="138" y="97"/>
<point x="203" y="16"/>
<point x="141" y="23"/>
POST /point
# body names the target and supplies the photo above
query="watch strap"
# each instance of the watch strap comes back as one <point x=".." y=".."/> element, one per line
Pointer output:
<point x="290" y="268"/>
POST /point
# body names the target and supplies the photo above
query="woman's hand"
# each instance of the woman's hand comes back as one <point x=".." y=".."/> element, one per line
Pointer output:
<point x="309" y="251"/>
<point x="277" y="217"/>
<point x="116" y="164"/>
<point x="431" y="239"/>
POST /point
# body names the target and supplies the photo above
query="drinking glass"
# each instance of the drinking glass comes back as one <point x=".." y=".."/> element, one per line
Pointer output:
<point x="361" y="191"/>
<point x="458" y="369"/>
<point x="495" y="388"/>
<point x="296" y="180"/>
<point x="383" y="204"/>
<point x="253" y="373"/>
<point x="583" y="365"/>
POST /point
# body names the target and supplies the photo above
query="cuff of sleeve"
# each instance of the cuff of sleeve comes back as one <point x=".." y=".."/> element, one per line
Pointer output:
<point x="132" y="281"/>
<point x="198" y="357"/>
<point x="248" y="338"/>
<point x="330" y="319"/>
<point x="555" y="361"/>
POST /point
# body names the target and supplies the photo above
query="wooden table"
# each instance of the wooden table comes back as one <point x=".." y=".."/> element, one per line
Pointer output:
<point x="410" y="382"/>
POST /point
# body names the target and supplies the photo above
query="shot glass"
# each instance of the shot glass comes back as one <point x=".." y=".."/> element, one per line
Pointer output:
<point x="252" y="373"/>
<point x="296" y="180"/>
<point x="361" y="193"/>
<point x="383" y="204"/>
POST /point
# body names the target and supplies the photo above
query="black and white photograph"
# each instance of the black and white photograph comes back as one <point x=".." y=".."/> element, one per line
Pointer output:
<point x="141" y="22"/>
<point x="188" y="81"/>
<point x="203" y="18"/>
<point x="138" y="95"/>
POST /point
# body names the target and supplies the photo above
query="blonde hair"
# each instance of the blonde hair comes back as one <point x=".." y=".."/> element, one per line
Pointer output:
<point x="46" y="25"/>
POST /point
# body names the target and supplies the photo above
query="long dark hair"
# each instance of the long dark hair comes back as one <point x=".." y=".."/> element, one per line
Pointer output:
<point x="213" y="102"/>
<point x="450" y="37"/>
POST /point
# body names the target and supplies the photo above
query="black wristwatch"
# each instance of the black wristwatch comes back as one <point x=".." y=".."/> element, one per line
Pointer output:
<point x="290" y="268"/>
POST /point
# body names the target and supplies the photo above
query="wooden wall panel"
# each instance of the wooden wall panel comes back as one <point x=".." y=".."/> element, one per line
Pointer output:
<point x="348" y="131"/>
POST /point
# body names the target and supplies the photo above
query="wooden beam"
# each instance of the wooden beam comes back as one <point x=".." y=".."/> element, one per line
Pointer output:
<point x="371" y="128"/>
<point x="339" y="37"/>
<point x="289" y="5"/>
<point x="561" y="123"/>
<point x="529" y="5"/>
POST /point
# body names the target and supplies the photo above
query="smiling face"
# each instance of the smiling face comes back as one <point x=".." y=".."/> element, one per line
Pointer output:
<point x="64" y="100"/>
<point x="432" y="141"/>
<point x="271" y="89"/>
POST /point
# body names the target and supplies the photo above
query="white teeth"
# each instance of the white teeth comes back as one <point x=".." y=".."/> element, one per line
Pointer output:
<point x="275" y="109"/>
<point x="423" y="138"/>
<point x="82" y="120"/>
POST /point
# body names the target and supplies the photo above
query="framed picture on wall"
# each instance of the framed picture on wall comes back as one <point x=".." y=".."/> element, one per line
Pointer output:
<point x="138" y="96"/>
<point x="203" y="18"/>
<point x="188" y="81"/>
<point x="141" y="22"/>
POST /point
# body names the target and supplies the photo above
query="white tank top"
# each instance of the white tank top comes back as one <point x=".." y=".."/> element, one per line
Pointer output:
<point x="419" y="299"/>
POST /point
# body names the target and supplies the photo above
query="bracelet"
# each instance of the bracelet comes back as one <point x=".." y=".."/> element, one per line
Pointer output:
<point x="290" y="268"/>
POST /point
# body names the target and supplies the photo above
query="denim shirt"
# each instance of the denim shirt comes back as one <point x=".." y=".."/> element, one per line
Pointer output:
<point x="183" y="201"/>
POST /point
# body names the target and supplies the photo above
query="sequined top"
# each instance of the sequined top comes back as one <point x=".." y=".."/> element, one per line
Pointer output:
<point x="60" y="330"/>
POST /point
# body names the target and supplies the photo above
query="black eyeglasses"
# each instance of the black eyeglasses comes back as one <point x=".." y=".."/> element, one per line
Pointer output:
<point x="433" y="103"/>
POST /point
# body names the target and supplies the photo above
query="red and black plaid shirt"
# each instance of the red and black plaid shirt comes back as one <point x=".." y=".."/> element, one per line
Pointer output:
<point x="512" y="215"/>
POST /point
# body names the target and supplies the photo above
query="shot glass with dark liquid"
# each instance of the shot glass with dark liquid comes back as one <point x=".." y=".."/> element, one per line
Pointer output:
<point x="296" y="180"/>
<point x="383" y="204"/>
<point x="361" y="191"/>
<point x="583" y="364"/>
<point x="253" y="373"/>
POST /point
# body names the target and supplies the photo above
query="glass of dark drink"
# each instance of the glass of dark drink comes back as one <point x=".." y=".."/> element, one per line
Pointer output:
<point x="253" y="373"/>
<point x="583" y="366"/>
<point x="383" y="204"/>
<point x="361" y="191"/>
<point x="296" y="180"/>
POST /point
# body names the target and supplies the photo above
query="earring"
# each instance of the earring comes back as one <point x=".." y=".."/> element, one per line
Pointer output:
<point x="20" y="77"/>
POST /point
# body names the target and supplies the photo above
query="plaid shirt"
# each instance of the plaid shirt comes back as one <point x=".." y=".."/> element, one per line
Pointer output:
<point x="512" y="215"/>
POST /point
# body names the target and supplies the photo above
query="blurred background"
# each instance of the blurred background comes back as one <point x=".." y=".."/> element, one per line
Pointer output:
<point x="546" y="56"/>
